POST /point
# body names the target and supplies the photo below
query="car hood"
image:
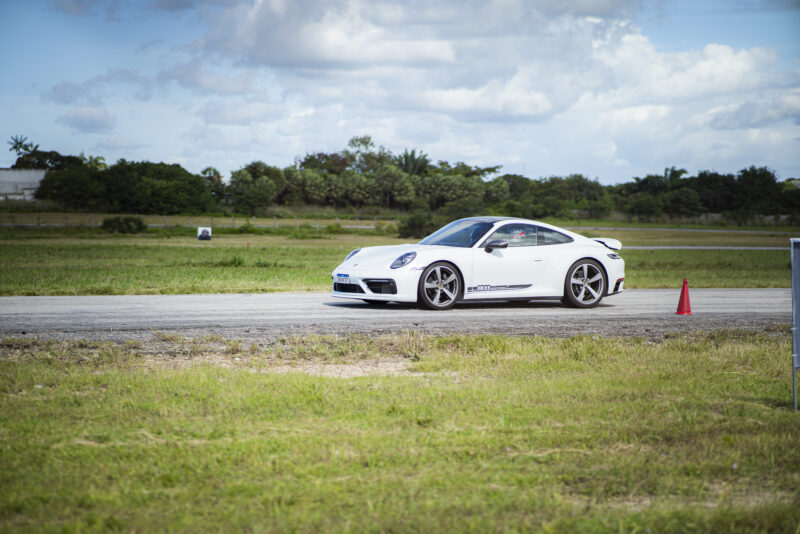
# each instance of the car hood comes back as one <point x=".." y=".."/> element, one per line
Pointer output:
<point x="382" y="257"/>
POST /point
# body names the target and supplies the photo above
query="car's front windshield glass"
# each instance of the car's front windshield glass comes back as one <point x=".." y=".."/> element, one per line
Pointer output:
<point x="464" y="233"/>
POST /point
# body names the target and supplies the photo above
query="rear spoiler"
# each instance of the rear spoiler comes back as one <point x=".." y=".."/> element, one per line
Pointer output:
<point x="613" y="244"/>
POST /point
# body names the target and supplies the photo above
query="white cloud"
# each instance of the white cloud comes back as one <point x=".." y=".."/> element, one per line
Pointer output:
<point x="317" y="35"/>
<point x="639" y="114"/>
<point x="760" y="113"/>
<point x="116" y="142"/>
<point x="96" y="89"/>
<point x="545" y="88"/>
<point x="194" y="75"/>
<point x="74" y="7"/>
<point x="241" y="112"/>
<point x="643" y="73"/>
<point x="88" y="119"/>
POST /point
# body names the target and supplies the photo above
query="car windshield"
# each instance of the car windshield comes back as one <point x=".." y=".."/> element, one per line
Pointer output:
<point x="464" y="233"/>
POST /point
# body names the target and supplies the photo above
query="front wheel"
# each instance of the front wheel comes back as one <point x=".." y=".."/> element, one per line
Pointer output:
<point x="439" y="286"/>
<point x="585" y="284"/>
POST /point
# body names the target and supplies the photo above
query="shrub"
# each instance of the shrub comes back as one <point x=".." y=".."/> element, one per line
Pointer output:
<point x="246" y="228"/>
<point x="418" y="224"/>
<point x="233" y="261"/>
<point x="29" y="206"/>
<point x="124" y="225"/>
<point x="334" y="228"/>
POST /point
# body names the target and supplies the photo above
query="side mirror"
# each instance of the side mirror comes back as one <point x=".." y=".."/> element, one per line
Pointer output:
<point x="495" y="243"/>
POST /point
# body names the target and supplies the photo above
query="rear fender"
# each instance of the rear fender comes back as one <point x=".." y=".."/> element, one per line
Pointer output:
<point x="609" y="242"/>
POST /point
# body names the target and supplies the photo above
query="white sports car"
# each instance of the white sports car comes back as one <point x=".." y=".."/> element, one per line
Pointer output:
<point x="496" y="258"/>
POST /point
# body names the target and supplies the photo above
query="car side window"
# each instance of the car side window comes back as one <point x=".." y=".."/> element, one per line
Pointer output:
<point x="517" y="235"/>
<point x="551" y="237"/>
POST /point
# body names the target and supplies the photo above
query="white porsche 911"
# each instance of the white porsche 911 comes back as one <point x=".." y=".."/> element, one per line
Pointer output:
<point x="494" y="258"/>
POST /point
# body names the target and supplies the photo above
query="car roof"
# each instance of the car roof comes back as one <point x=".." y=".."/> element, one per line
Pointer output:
<point x="494" y="219"/>
<point x="497" y="219"/>
<point x="489" y="219"/>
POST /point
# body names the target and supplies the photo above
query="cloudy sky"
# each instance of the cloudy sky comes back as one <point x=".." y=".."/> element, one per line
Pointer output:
<point x="608" y="88"/>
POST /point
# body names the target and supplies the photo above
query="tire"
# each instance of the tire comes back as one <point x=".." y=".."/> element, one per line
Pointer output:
<point x="585" y="284"/>
<point x="376" y="302"/>
<point x="439" y="286"/>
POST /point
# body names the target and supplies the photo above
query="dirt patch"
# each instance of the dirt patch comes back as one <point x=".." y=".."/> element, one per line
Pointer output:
<point x="343" y="356"/>
<point x="343" y="370"/>
<point x="716" y="498"/>
<point x="318" y="356"/>
<point x="378" y="367"/>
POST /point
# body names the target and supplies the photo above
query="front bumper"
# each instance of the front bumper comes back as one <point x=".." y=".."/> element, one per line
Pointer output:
<point x="397" y="285"/>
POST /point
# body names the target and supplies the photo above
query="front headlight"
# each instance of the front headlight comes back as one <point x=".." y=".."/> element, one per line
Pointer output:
<point x="405" y="259"/>
<point x="351" y="254"/>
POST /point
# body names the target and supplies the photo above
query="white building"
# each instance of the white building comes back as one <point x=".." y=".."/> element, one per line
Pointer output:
<point x="20" y="184"/>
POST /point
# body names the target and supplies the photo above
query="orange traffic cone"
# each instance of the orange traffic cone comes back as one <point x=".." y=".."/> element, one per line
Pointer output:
<point x="684" y="308"/>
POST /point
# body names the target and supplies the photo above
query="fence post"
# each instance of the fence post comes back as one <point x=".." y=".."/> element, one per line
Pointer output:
<point x="276" y="222"/>
<point x="317" y="225"/>
<point x="795" y="264"/>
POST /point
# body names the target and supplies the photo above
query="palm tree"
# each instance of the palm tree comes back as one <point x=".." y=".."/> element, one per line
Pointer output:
<point x="213" y="179"/>
<point x="672" y="176"/>
<point x="20" y="145"/>
<point x="94" y="162"/>
<point x="413" y="163"/>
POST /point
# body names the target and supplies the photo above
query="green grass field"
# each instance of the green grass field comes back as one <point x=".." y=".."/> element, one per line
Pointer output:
<point x="46" y="261"/>
<point x="462" y="433"/>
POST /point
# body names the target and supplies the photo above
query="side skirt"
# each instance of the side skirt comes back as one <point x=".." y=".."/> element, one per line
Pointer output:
<point x="500" y="298"/>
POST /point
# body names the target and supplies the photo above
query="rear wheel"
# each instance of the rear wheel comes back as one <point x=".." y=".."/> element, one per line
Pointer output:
<point x="439" y="286"/>
<point x="585" y="284"/>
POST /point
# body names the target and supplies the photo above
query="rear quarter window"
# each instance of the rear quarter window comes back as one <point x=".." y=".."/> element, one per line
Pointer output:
<point x="551" y="237"/>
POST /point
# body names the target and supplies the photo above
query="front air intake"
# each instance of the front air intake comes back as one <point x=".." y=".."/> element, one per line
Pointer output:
<point x="382" y="286"/>
<point x="347" y="288"/>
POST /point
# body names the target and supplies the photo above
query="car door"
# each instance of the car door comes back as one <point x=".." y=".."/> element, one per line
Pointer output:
<point x="508" y="272"/>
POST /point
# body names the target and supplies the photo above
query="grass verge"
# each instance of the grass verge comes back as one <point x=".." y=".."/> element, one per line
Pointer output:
<point x="85" y="262"/>
<point x="468" y="433"/>
<point x="170" y="265"/>
<point x="706" y="268"/>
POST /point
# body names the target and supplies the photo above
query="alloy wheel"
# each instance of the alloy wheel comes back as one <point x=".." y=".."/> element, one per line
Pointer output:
<point x="440" y="286"/>
<point x="585" y="285"/>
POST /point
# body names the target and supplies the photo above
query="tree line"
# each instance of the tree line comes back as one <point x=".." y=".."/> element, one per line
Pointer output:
<point x="365" y="176"/>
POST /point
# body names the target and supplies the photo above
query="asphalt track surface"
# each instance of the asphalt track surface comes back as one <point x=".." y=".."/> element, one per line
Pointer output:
<point x="642" y="312"/>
